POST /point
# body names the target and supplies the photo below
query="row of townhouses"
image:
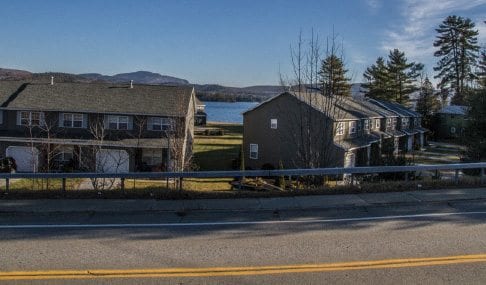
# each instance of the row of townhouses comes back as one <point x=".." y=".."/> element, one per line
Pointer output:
<point x="304" y="129"/>
<point x="96" y="127"/>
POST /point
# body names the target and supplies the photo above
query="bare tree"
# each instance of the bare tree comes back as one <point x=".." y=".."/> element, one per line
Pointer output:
<point x="310" y="121"/>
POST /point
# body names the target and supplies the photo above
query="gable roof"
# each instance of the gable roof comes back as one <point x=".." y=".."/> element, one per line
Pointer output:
<point x="153" y="100"/>
<point x="454" y="109"/>
<point x="395" y="108"/>
<point x="337" y="108"/>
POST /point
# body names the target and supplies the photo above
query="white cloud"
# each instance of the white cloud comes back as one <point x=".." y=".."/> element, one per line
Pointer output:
<point x="416" y="34"/>
<point x="373" y="5"/>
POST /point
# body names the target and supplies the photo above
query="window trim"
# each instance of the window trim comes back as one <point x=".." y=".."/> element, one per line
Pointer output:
<point x="273" y="124"/>
<point x="367" y="125"/>
<point x="72" y="120"/>
<point x="378" y="124"/>
<point x="253" y="151"/>
<point x="116" y="119"/>
<point x="151" y="155"/>
<point x="405" y="123"/>
<point x="42" y="121"/>
<point x="340" y="128"/>
<point x="160" y="122"/>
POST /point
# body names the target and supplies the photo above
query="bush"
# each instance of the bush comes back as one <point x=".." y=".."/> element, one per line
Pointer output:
<point x="8" y="165"/>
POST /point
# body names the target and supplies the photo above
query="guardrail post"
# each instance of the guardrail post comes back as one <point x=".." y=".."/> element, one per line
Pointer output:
<point x="63" y="184"/>
<point x="481" y="179"/>
<point x="456" y="176"/>
<point x="437" y="174"/>
<point x="122" y="184"/>
<point x="7" y="184"/>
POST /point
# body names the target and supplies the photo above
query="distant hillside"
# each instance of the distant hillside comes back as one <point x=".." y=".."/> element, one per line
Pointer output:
<point x="206" y="92"/>
<point x="139" y="77"/>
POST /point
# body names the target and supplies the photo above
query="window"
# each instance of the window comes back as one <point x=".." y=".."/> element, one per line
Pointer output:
<point x="253" y="151"/>
<point x="118" y="122"/>
<point x="70" y="120"/>
<point x="340" y="129"/>
<point x="388" y="123"/>
<point x="394" y="123"/>
<point x="65" y="155"/>
<point x="160" y="124"/>
<point x="405" y="123"/>
<point x="367" y="125"/>
<point x="352" y="127"/>
<point x="27" y="118"/>
<point x="359" y="126"/>
<point x="152" y="156"/>
<point x="273" y="123"/>
<point x="377" y="124"/>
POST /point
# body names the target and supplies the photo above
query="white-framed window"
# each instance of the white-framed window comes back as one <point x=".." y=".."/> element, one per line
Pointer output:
<point x="418" y="121"/>
<point x="30" y="118"/>
<point x="405" y="123"/>
<point x="160" y="124"/>
<point x="394" y="123"/>
<point x="273" y="124"/>
<point x="152" y="156"/>
<point x="377" y="124"/>
<point x="367" y="125"/>
<point x="388" y="123"/>
<point x="453" y="130"/>
<point x="72" y="120"/>
<point x="64" y="155"/>
<point x="253" y="151"/>
<point x="359" y="125"/>
<point x="117" y="122"/>
<point x="352" y="127"/>
<point x="340" y="129"/>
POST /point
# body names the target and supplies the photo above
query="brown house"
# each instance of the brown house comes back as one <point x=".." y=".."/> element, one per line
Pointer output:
<point x="309" y="130"/>
<point x="96" y="127"/>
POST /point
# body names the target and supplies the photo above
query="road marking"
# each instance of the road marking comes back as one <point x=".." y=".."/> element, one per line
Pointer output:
<point x="234" y="223"/>
<point x="238" y="271"/>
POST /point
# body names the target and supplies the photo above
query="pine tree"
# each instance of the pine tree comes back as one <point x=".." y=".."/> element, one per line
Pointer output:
<point x="476" y="128"/>
<point x="333" y="78"/>
<point x="458" y="46"/>
<point x="428" y="102"/>
<point x="402" y="76"/>
<point x="377" y="80"/>
<point x="393" y="81"/>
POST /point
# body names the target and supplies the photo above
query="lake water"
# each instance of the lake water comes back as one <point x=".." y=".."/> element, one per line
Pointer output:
<point x="227" y="112"/>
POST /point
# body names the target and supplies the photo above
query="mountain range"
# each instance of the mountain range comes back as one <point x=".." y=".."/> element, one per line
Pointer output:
<point x="206" y="92"/>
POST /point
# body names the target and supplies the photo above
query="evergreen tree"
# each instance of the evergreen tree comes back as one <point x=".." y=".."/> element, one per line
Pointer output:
<point x="393" y="81"/>
<point x="333" y="78"/>
<point x="458" y="46"/>
<point x="476" y="128"/>
<point x="428" y="102"/>
<point x="402" y="76"/>
<point x="377" y="80"/>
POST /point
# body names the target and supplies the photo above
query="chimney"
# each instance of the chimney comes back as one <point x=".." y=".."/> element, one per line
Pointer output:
<point x="52" y="80"/>
<point x="131" y="84"/>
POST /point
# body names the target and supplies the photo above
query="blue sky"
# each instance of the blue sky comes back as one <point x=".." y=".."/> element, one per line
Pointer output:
<point x="235" y="43"/>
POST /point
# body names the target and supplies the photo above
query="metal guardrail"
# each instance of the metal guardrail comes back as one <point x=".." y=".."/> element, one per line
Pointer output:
<point x="251" y="173"/>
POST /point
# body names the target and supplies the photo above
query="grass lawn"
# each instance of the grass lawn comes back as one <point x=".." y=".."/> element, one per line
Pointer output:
<point x="43" y="184"/>
<point x="218" y="152"/>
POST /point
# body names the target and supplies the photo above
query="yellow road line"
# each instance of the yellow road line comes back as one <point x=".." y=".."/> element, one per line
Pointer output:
<point x="235" y="271"/>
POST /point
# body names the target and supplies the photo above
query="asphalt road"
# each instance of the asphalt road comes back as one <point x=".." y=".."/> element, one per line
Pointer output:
<point x="434" y="244"/>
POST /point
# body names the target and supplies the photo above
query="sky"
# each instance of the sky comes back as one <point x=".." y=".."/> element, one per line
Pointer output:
<point x="233" y="43"/>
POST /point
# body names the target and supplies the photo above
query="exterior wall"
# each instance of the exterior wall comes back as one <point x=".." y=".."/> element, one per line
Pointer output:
<point x="282" y="144"/>
<point x="447" y="121"/>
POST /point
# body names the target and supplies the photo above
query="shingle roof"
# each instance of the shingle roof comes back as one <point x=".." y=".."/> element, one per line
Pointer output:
<point x="395" y="107"/>
<point x="7" y="88"/>
<point x="454" y="109"/>
<point x="103" y="98"/>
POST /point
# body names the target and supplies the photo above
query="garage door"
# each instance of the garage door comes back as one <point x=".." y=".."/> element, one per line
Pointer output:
<point x="26" y="158"/>
<point x="112" y="161"/>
